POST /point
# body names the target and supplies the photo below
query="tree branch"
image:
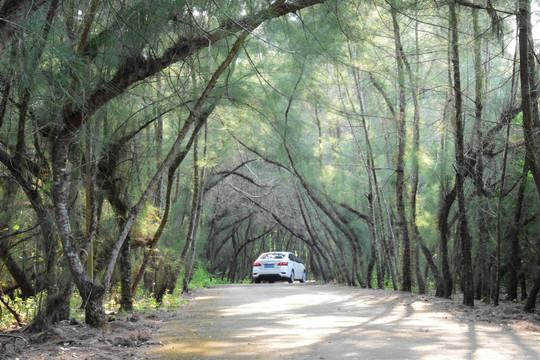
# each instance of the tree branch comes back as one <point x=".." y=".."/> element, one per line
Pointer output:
<point x="136" y="68"/>
<point x="12" y="14"/>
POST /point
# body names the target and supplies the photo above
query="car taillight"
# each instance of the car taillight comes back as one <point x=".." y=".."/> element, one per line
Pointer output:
<point x="256" y="264"/>
<point x="283" y="263"/>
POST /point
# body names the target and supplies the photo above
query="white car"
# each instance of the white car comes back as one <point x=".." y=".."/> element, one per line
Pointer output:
<point x="278" y="265"/>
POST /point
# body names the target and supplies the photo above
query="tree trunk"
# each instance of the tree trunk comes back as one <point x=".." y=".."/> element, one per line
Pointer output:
<point x="114" y="186"/>
<point x="198" y="193"/>
<point x="189" y="248"/>
<point x="478" y="176"/>
<point x="498" y="269"/>
<point x="389" y="241"/>
<point x="126" y="298"/>
<point x="415" y="233"/>
<point x="91" y="293"/>
<point x="444" y="211"/>
<point x="170" y="182"/>
<point x="531" y="300"/>
<point x="321" y="247"/>
<point x="526" y="75"/>
<point x="374" y="198"/>
<point x="530" y="121"/>
<point x="406" y="283"/>
<point x="439" y="283"/>
<point x="16" y="272"/>
<point x="467" y="277"/>
<point x="514" y="263"/>
<point x="56" y="308"/>
<point x="7" y="259"/>
<point x="158" y="201"/>
<point x="22" y="168"/>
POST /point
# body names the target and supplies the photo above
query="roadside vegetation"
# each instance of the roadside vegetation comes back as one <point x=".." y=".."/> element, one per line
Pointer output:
<point x="143" y="302"/>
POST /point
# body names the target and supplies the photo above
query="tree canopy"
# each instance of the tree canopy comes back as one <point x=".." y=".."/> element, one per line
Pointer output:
<point x="390" y="144"/>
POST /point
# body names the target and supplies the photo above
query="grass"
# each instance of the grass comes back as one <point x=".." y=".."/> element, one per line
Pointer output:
<point x="203" y="279"/>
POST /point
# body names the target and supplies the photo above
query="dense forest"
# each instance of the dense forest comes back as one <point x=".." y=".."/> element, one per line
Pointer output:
<point x="389" y="143"/>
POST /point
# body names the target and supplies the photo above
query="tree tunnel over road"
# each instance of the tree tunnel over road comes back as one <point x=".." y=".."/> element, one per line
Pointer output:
<point x="312" y="321"/>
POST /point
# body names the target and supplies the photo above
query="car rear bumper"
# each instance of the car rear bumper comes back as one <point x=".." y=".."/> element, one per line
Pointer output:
<point x="271" y="277"/>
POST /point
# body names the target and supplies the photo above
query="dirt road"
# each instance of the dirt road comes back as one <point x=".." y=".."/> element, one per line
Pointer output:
<point x="323" y="322"/>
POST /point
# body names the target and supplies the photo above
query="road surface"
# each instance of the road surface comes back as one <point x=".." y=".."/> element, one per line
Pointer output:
<point x="327" y="322"/>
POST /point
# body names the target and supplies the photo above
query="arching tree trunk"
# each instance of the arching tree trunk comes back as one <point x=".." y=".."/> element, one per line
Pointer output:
<point x="169" y="283"/>
<point x="374" y="201"/>
<point x="158" y="129"/>
<point x="9" y="191"/>
<point x="170" y="182"/>
<point x="198" y="194"/>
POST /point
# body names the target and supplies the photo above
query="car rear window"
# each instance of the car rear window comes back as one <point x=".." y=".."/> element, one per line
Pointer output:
<point x="272" y="256"/>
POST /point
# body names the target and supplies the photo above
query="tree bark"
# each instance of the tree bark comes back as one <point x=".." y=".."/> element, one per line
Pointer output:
<point x="170" y="182"/>
<point x="444" y="211"/>
<point x="482" y="273"/>
<point x="198" y="193"/>
<point x="530" y="127"/>
<point x="126" y="298"/>
<point x="415" y="233"/>
<point x="390" y="246"/>
<point x="374" y="199"/>
<point x="498" y="265"/>
<point x="91" y="293"/>
<point x="468" y="287"/>
<point x="16" y="272"/>
<point x="406" y="282"/>
<point x="531" y="300"/>
<point x="530" y="122"/>
<point x="439" y="283"/>
<point x="514" y="263"/>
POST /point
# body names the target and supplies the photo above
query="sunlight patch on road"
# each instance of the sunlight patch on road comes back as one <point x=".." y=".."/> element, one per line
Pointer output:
<point x="281" y="305"/>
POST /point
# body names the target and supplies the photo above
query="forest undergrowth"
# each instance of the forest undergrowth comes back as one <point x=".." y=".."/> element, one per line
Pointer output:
<point x="23" y="311"/>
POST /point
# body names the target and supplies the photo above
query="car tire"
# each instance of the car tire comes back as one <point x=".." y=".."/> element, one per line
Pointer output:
<point x="257" y="281"/>
<point x="291" y="278"/>
<point x="303" y="280"/>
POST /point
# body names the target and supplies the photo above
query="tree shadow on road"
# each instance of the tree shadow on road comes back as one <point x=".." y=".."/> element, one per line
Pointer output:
<point x="310" y="321"/>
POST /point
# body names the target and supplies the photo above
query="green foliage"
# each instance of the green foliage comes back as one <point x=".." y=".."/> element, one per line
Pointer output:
<point x="203" y="279"/>
<point x="26" y="309"/>
<point x="147" y="222"/>
<point x="519" y="119"/>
